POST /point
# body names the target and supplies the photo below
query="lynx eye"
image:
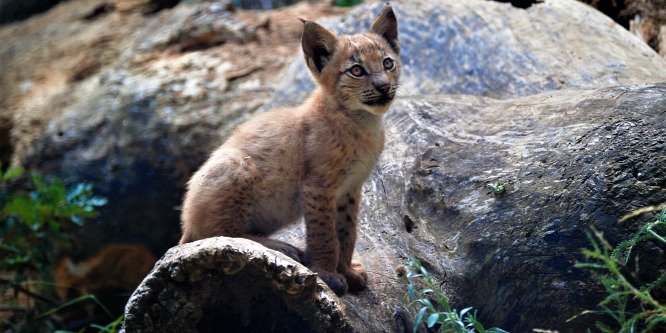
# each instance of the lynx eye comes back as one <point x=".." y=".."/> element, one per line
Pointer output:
<point x="389" y="63"/>
<point x="357" y="70"/>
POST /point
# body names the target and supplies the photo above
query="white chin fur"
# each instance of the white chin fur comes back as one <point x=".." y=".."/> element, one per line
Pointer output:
<point x="378" y="110"/>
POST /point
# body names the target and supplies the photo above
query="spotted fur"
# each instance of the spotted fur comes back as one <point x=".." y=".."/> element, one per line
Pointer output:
<point x="310" y="161"/>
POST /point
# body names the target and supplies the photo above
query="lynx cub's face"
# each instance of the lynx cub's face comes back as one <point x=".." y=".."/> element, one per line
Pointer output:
<point x="360" y="71"/>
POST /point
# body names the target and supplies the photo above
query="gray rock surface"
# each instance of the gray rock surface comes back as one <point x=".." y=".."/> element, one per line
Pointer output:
<point x="573" y="159"/>
<point x="232" y="285"/>
<point x="493" y="49"/>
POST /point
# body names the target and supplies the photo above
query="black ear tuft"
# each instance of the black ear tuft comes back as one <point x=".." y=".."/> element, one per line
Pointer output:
<point x="386" y="25"/>
<point x="318" y="46"/>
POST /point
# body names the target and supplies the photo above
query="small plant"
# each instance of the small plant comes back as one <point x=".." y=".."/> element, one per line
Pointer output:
<point x="440" y="316"/>
<point x="624" y="295"/>
<point x="497" y="187"/>
<point x="347" y="3"/>
<point x="33" y="223"/>
<point x="33" y="227"/>
<point x="112" y="327"/>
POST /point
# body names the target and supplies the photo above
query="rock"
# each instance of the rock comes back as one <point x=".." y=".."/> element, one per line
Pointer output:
<point x="265" y="4"/>
<point x="129" y="5"/>
<point x="207" y="27"/>
<point x="662" y="41"/>
<point x="143" y="6"/>
<point x="236" y="284"/>
<point x="493" y="49"/>
<point x="572" y="159"/>
<point x="14" y="10"/>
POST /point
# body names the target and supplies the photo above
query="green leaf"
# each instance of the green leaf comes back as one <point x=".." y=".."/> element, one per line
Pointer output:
<point x="604" y="328"/>
<point x="77" y="220"/>
<point x="419" y="317"/>
<point x="78" y="190"/>
<point x="423" y="271"/>
<point x="12" y="173"/>
<point x="444" y="302"/>
<point x="21" y="207"/>
<point x="478" y="326"/>
<point x="38" y="182"/>
<point x="97" y="201"/>
<point x="659" y="282"/>
<point x="100" y="327"/>
<point x="432" y="319"/>
<point x="347" y="3"/>
<point x="410" y="290"/>
<point x="428" y="304"/>
<point x="57" y="190"/>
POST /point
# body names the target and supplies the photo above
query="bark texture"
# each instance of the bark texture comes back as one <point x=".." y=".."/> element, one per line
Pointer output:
<point x="232" y="285"/>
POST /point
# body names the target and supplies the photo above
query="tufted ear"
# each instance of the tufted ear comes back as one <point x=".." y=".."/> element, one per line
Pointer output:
<point x="386" y="25"/>
<point x="318" y="44"/>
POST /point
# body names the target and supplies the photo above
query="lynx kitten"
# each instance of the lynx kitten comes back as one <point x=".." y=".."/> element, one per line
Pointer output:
<point x="306" y="161"/>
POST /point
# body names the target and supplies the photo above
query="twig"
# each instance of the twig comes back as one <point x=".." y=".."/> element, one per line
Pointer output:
<point x="641" y="211"/>
<point x="616" y="97"/>
<point x="12" y="308"/>
<point x="29" y="293"/>
<point x="235" y="75"/>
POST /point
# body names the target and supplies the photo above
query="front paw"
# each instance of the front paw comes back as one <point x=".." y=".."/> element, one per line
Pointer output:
<point x="357" y="277"/>
<point x="335" y="281"/>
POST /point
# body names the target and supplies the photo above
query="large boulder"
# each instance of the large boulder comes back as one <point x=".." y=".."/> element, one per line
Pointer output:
<point x="493" y="49"/>
<point x="140" y="112"/>
<point x="572" y="160"/>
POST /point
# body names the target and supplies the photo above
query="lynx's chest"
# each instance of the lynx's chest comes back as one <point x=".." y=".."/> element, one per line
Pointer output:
<point x="364" y="151"/>
<point x="341" y="148"/>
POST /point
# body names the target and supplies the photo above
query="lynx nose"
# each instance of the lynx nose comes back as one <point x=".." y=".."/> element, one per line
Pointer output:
<point x="383" y="87"/>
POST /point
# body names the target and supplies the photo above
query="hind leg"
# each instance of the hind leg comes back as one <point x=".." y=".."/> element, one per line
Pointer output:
<point x="219" y="202"/>
<point x="219" y="197"/>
